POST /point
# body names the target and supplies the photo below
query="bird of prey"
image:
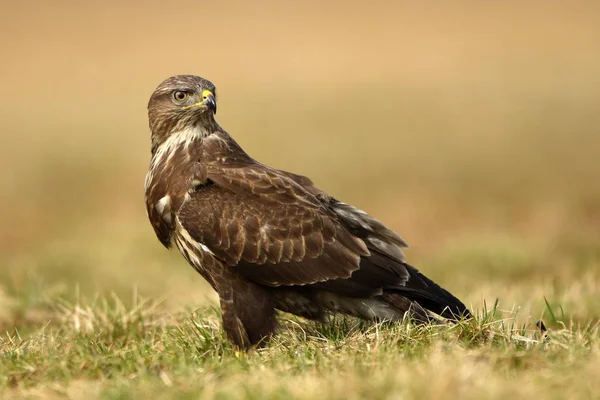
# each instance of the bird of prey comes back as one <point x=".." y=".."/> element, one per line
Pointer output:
<point x="267" y="239"/>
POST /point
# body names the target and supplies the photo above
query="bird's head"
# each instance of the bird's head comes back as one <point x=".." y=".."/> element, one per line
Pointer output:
<point x="182" y="102"/>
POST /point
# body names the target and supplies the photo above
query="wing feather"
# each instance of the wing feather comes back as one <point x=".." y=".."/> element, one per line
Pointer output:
<point x="270" y="228"/>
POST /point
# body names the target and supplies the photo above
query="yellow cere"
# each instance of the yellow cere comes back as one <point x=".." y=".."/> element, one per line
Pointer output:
<point x="205" y="95"/>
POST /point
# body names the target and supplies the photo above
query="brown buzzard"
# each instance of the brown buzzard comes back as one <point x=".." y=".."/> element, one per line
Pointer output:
<point x="267" y="239"/>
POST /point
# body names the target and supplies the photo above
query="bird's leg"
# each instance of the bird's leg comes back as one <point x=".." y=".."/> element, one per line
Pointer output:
<point x="248" y="312"/>
<point x="232" y="325"/>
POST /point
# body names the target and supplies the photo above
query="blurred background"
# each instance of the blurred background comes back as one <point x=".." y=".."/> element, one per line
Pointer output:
<point x="472" y="128"/>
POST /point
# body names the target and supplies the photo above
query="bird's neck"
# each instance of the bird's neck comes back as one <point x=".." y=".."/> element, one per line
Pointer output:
<point x="185" y="135"/>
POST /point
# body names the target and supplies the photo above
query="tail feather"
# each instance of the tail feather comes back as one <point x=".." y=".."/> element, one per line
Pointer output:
<point x="385" y="273"/>
<point x="431" y="296"/>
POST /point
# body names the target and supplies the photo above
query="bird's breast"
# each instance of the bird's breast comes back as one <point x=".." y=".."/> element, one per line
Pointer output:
<point x="174" y="171"/>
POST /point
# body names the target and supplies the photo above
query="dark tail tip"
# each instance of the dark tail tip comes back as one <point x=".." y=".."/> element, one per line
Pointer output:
<point x="432" y="297"/>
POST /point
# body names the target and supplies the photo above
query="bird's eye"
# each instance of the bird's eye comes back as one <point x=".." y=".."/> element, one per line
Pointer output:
<point x="180" y="96"/>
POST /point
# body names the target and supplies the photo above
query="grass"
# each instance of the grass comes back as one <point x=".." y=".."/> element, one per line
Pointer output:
<point x="105" y="349"/>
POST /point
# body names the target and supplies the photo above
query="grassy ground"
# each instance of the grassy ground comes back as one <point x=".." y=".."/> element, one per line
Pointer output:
<point x="103" y="349"/>
<point x="472" y="130"/>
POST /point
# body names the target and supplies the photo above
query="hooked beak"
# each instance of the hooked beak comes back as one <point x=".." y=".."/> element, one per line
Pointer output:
<point x="208" y="101"/>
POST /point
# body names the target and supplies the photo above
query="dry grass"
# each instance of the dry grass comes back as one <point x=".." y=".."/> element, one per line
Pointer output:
<point x="471" y="129"/>
<point x="101" y="348"/>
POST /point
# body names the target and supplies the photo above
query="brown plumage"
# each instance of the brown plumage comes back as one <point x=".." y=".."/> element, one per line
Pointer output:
<point x="266" y="239"/>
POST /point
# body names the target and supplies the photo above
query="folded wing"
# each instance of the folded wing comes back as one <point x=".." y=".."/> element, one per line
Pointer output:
<point x="270" y="228"/>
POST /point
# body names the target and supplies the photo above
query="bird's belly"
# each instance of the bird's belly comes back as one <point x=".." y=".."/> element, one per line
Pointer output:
<point x="314" y="304"/>
<point x="366" y="308"/>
